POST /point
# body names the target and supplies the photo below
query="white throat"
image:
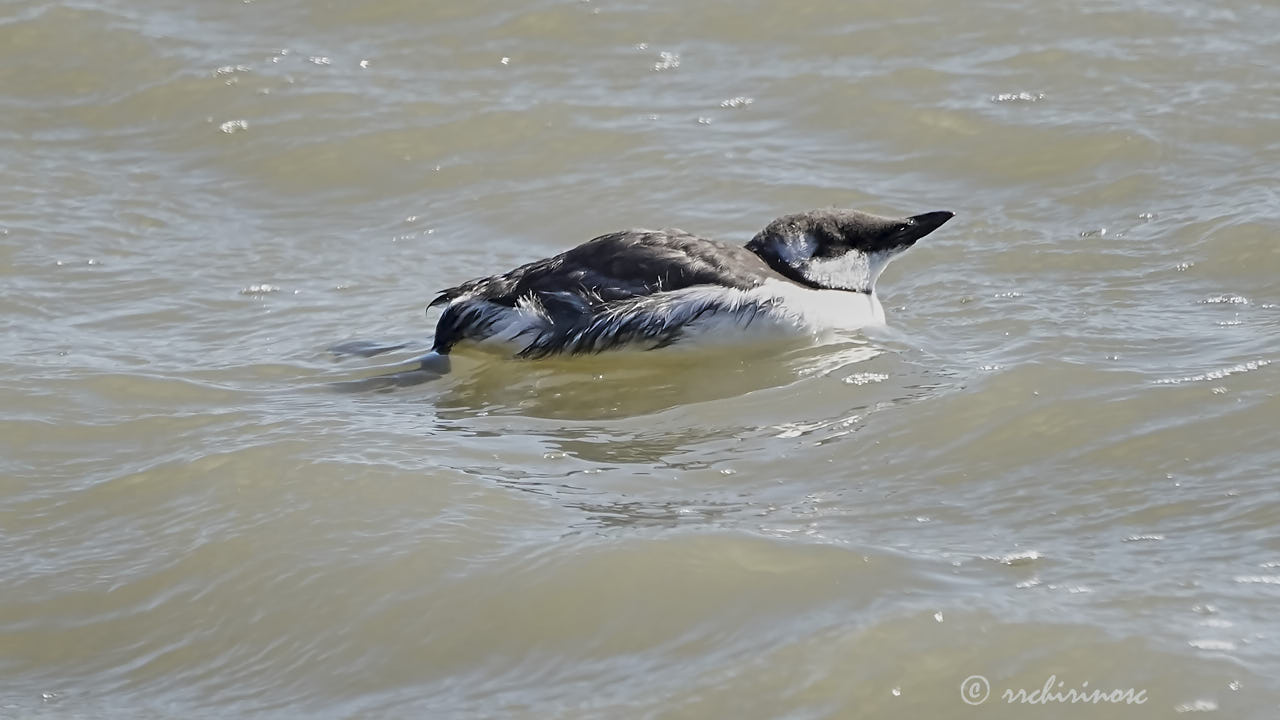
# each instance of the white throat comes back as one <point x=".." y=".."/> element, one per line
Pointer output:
<point x="855" y="270"/>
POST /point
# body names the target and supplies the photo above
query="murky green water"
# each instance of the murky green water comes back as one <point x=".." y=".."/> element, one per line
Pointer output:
<point x="1057" y="465"/>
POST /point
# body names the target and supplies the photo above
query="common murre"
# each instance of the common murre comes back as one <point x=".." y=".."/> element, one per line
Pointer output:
<point x="806" y="273"/>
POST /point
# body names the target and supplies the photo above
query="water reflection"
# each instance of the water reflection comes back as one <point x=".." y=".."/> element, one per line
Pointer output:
<point x="604" y="387"/>
<point x="640" y="514"/>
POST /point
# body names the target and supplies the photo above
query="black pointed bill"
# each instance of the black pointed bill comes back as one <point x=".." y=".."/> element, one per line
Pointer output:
<point x="917" y="226"/>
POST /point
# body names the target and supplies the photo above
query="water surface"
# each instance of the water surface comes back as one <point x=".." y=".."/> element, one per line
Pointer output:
<point x="1058" y="461"/>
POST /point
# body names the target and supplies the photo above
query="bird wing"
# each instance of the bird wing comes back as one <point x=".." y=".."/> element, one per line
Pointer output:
<point x="597" y="281"/>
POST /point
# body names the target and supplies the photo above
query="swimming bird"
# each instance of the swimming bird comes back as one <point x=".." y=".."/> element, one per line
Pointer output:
<point x="808" y="273"/>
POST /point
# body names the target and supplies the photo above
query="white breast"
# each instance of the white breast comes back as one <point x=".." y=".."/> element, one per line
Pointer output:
<point x="775" y="309"/>
<point x="780" y="309"/>
<point x="818" y="311"/>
